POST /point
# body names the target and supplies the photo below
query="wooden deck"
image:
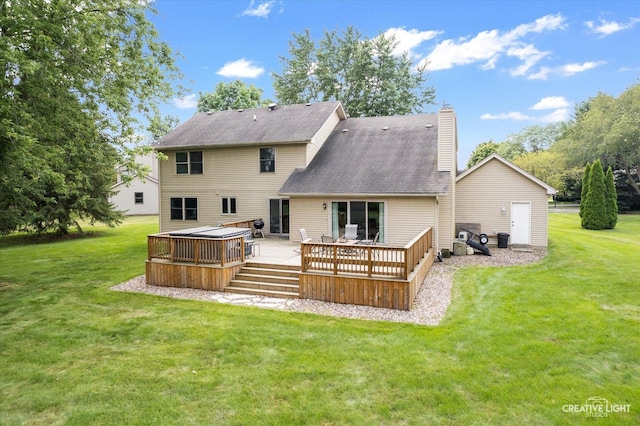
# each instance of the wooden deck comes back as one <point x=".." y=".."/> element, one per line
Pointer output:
<point x="379" y="276"/>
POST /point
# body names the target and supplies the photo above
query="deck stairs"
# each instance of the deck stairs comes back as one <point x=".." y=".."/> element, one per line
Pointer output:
<point x="269" y="280"/>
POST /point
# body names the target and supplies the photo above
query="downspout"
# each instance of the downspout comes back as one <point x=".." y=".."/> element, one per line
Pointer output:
<point x="436" y="230"/>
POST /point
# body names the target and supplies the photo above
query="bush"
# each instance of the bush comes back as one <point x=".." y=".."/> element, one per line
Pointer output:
<point x="611" y="197"/>
<point x="594" y="211"/>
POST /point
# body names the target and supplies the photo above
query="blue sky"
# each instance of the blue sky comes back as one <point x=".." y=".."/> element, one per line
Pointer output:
<point x="503" y="65"/>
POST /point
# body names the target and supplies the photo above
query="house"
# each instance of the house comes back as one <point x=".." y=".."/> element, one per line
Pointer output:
<point x="140" y="195"/>
<point x="310" y="166"/>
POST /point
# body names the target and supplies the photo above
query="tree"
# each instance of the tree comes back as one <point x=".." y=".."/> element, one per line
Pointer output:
<point x="234" y="95"/>
<point x="585" y="187"/>
<point x="594" y="215"/>
<point x="364" y="74"/>
<point x="482" y="151"/>
<point x="160" y="126"/>
<point x="608" y="129"/>
<point x="611" y="197"/>
<point x="536" y="138"/>
<point x="75" y="78"/>
<point x="548" y="166"/>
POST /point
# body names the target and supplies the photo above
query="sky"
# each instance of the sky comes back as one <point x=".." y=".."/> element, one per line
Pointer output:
<point x="502" y="65"/>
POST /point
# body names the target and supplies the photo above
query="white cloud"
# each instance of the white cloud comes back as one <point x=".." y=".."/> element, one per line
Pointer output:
<point x="565" y="70"/>
<point x="529" y="55"/>
<point x="186" y="102"/>
<point x="551" y="102"/>
<point x="262" y="10"/>
<point x="409" y="40"/>
<point x="571" y="69"/>
<point x="605" y="28"/>
<point x="241" y="68"/>
<point x="518" y="116"/>
<point x="561" y="114"/>
<point x="489" y="46"/>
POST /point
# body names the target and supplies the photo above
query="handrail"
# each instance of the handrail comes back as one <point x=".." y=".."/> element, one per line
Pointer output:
<point x="240" y="224"/>
<point x="195" y="250"/>
<point x="369" y="260"/>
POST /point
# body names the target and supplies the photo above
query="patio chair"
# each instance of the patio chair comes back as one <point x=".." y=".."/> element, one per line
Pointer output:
<point x="327" y="239"/>
<point x="304" y="238"/>
<point x="371" y="242"/>
<point x="351" y="232"/>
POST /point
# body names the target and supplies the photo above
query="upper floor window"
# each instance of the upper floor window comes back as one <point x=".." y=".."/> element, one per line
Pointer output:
<point x="267" y="160"/>
<point x="184" y="209"/>
<point x="139" y="197"/>
<point x="189" y="163"/>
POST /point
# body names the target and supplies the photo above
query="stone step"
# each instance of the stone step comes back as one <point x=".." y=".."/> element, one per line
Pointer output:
<point x="262" y="292"/>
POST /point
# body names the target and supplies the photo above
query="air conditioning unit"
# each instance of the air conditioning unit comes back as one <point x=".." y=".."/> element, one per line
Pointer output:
<point x="463" y="235"/>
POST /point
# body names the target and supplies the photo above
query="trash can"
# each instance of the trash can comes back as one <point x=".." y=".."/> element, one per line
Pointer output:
<point x="503" y="240"/>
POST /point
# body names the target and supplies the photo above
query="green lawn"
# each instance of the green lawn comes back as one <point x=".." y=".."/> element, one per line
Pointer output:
<point x="516" y="346"/>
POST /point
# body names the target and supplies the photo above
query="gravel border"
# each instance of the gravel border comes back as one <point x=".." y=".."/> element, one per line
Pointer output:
<point x="429" y="308"/>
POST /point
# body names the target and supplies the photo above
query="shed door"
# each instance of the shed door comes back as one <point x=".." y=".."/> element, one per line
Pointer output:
<point x="520" y="223"/>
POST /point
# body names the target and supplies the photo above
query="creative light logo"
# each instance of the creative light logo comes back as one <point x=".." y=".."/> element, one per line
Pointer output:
<point x="596" y="406"/>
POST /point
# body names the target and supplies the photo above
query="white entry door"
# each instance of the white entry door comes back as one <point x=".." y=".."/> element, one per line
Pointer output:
<point x="520" y="223"/>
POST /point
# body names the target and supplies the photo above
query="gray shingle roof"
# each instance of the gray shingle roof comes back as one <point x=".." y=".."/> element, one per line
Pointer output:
<point x="360" y="157"/>
<point x="284" y="124"/>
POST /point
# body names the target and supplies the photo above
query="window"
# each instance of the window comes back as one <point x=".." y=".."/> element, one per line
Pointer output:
<point x="189" y="163"/>
<point x="368" y="215"/>
<point x="267" y="160"/>
<point x="228" y="205"/>
<point x="139" y="197"/>
<point x="184" y="209"/>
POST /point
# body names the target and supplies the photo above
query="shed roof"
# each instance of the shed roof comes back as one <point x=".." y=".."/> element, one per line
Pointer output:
<point x="253" y="126"/>
<point x="375" y="156"/>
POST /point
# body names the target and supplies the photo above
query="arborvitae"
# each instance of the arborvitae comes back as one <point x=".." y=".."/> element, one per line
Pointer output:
<point x="611" y="199"/>
<point x="594" y="213"/>
<point x="585" y="186"/>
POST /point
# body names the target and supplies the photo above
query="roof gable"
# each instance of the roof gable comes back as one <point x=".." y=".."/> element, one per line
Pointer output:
<point x="375" y="156"/>
<point x="253" y="126"/>
<point x="550" y="190"/>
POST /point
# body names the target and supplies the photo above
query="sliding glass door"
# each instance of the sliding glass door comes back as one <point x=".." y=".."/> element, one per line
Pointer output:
<point x="368" y="215"/>
<point x="279" y="216"/>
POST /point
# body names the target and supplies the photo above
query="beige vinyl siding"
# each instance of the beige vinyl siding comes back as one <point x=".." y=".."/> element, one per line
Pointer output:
<point x="444" y="236"/>
<point x="405" y="217"/>
<point x="308" y="213"/>
<point x="321" y="136"/>
<point x="227" y="172"/>
<point x="447" y="161"/>
<point x="482" y="194"/>
<point x="447" y="140"/>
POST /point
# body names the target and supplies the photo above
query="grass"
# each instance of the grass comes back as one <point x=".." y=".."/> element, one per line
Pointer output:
<point x="516" y="345"/>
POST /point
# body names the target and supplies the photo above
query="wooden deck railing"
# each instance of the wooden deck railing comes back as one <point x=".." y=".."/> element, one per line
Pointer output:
<point x="385" y="261"/>
<point x="240" y="224"/>
<point x="196" y="250"/>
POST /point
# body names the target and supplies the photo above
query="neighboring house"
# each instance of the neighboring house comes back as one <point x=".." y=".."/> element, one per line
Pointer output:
<point x="140" y="195"/>
<point x="309" y="166"/>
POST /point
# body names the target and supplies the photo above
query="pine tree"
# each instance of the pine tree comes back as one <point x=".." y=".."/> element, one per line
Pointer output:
<point x="594" y="214"/>
<point x="611" y="199"/>
<point x="585" y="187"/>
